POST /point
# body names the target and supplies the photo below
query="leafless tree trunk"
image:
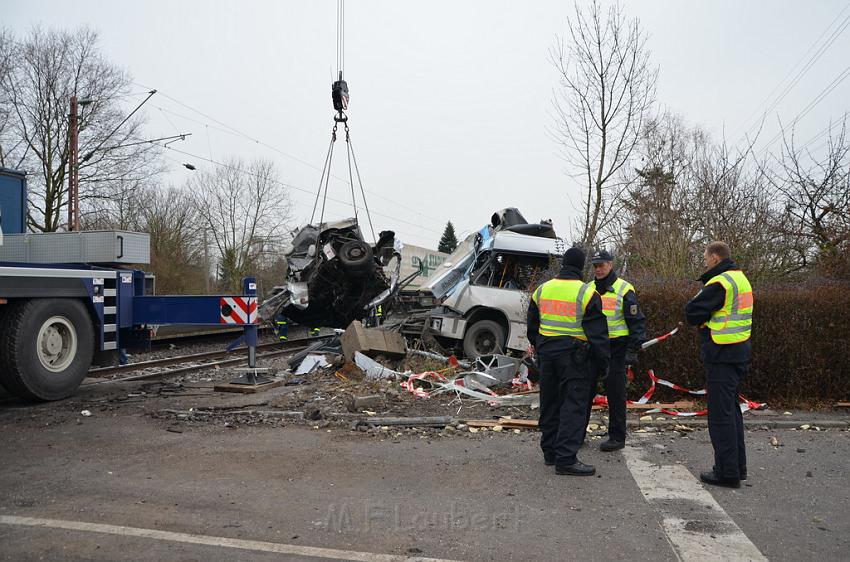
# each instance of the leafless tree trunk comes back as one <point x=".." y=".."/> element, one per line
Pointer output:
<point x="48" y="68"/>
<point x="607" y="86"/>
<point x="244" y="208"/>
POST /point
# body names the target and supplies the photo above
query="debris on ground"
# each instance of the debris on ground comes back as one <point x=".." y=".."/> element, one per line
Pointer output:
<point x="372" y="342"/>
<point x="311" y="363"/>
<point x="373" y="369"/>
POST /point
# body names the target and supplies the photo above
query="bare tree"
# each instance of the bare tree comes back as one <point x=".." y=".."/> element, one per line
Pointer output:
<point x="691" y="190"/>
<point x="244" y="209"/>
<point x="49" y="68"/>
<point x="656" y="227"/>
<point x="816" y="190"/>
<point x="735" y="202"/>
<point x="177" y="253"/>
<point x="7" y="61"/>
<point x="607" y="87"/>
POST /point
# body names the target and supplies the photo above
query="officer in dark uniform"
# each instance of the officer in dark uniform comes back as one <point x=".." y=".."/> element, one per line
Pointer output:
<point x="723" y="309"/>
<point x="627" y="331"/>
<point x="281" y="327"/>
<point x="570" y="334"/>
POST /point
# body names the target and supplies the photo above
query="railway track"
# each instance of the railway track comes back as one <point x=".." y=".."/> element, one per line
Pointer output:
<point x="201" y="361"/>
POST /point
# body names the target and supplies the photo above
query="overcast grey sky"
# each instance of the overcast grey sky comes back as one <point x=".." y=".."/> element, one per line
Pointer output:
<point x="450" y="100"/>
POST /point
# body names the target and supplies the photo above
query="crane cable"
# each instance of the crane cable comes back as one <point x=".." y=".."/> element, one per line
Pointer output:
<point x="339" y="96"/>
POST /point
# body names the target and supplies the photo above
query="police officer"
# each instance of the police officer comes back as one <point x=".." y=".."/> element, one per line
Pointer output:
<point x="570" y="334"/>
<point x="724" y="310"/>
<point x="376" y="317"/>
<point x="281" y="327"/>
<point x="626" y="329"/>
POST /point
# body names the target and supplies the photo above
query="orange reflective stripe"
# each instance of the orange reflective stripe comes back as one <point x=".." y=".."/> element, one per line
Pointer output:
<point x="745" y="300"/>
<point x="557" y="308"/>
<point x="609" y="303"/>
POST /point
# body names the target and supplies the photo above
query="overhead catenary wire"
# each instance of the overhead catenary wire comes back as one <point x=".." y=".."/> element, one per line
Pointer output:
<point x="842" y="76"/>
<point x="394" y="218"/>
<point x="293" y="187"/>
<point x="127" y="118"/>
<point x="339" y="216"/>
<point x="842" y="125"/>
<point x="802" y="72"/>
<point x="227" y="129"/>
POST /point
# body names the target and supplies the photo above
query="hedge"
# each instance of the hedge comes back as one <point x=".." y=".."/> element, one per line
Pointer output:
<point x="801" y="342"/>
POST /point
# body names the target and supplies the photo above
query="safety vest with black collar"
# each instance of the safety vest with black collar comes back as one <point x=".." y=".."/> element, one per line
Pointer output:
<point x="612" y="308"/>
<point x="734" y="321"/>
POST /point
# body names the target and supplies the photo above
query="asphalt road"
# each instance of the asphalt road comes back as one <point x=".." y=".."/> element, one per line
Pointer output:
<point x="123" y="488"/>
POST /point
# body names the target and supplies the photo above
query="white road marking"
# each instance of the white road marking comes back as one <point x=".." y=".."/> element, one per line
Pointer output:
<point x="224" y="542"/>
<point x="694" y="522"/>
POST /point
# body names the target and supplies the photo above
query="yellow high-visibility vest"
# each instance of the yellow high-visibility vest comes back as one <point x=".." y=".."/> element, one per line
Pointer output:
<point x="612" y="308"/>
<point x="562" y="304"/>
<point x="734" y="322"/>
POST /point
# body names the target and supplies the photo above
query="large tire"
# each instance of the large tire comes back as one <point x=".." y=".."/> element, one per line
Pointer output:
<point x="46" y="348"/>
<point x="483" y="338"/>
<point x="4" y="308"/>
<point x="357" y="258"/>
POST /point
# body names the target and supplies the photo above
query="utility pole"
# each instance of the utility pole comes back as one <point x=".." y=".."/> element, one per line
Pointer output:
<point x="74" y="149"/>
<point x="73" y="169"/>
<point x="206" y="262"/>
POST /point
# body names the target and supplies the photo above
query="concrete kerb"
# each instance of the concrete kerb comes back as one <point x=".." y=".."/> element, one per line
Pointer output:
<point x="667" y="423"/>
<point x="751" y="423"/>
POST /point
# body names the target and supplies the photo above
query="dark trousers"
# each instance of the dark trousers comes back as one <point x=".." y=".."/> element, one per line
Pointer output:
<point x="563" y="406"/>
<point x="725" y="421"/>
<point x="615" y="390"/>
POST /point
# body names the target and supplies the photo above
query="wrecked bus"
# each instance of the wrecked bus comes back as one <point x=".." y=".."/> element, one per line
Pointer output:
<point x="333" y="276"/>
<point x="484" y="286"/>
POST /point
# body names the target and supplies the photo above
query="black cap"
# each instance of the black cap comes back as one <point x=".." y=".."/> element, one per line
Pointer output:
<point x="574" y="257"/>
<point x="601" y="256"/>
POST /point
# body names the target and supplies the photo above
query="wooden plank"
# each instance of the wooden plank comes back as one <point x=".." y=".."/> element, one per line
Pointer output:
<point x="680" y="405"/>
<point x="517" y="423"/>
<point x="510" y="424"/>
<point x="683" y="405"/>
<point x="247" y="388"/>
<point x="482" y="423"/>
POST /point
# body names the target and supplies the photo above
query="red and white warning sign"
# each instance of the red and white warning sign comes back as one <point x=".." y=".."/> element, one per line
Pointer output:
<point x="238" y="310"/>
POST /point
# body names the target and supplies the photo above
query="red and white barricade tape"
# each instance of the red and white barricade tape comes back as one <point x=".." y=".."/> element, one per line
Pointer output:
<point x="430" y="377"/>
<point x="439" y="383"/>
<point x="744" y="403"/>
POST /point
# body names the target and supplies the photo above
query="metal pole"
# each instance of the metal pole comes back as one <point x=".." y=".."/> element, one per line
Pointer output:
<point x="206" y="262"/>
<point x="73" y="169"/>
<point x="249" y="288"/>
